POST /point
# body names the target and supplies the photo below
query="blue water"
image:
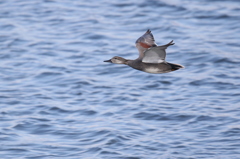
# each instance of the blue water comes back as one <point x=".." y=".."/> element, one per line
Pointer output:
<point x="58" y="99"/>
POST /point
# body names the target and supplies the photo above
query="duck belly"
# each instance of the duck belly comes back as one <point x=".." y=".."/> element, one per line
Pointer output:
<point x="150" y="67"/>
<point x="152" y="70"/>
<point x="156" y="70"/>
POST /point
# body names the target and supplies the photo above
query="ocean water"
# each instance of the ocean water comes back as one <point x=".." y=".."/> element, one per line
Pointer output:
<point x="58" y="99"/>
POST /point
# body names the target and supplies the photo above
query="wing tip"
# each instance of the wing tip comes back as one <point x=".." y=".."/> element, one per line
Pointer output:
<point x="148" y="31"/>
<point x="170" y="43"/>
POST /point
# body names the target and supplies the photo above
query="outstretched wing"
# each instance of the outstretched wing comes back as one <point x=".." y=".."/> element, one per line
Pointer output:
<point x="144" y="42"/>
<point x="156" y="54"/>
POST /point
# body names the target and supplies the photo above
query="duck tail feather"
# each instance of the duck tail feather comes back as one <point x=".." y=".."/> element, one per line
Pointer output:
<point x="175" y="66"/>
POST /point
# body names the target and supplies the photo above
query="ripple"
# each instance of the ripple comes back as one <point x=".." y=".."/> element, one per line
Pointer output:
<point x="7" y="27"/>
<point x="232" y="132"/>
<point x="152" y="116"/>
<point x="225" y="60"/>
<point x="59" y="100"/>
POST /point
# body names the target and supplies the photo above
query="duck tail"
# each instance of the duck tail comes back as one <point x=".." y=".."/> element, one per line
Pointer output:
<point x="175" y="66"/>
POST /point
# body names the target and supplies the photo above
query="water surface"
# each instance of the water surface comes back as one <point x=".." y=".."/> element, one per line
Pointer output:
<point x="58" y="99"/>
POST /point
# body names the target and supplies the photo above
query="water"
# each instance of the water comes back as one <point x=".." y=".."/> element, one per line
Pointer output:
<point x="58" y="98"/>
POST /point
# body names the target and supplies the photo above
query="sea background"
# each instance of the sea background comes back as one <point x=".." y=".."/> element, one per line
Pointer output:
<point x="58" y="99"/>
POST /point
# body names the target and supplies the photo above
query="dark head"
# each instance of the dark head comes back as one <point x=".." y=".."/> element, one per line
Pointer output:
<point x="117" y="60"/>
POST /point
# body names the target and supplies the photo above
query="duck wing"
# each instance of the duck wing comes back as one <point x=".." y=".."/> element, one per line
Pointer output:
<point x="144" y="42"/>
<point x="156" y="54"/>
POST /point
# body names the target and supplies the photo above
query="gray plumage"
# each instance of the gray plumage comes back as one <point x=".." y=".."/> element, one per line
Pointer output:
<point x="151" y="57"/>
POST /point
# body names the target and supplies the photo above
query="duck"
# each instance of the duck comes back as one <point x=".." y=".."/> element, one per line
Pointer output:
<point x="151" y="56"/>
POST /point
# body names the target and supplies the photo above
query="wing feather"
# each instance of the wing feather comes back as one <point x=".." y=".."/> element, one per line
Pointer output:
<point x="144" y="42"/>
<point x="156" y="54"/>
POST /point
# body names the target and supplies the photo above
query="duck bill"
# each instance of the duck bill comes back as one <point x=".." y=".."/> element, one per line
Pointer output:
<point x="108" y="61"/>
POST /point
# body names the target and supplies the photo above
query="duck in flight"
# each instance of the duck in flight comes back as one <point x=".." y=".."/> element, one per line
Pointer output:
<point x="151" y="57"/>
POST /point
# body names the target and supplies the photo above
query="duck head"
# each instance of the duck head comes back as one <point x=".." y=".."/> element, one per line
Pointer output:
<point x="117" y="60"/>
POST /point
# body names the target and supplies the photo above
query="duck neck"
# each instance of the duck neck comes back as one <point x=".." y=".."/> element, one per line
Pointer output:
<point x="126" y="62"/>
